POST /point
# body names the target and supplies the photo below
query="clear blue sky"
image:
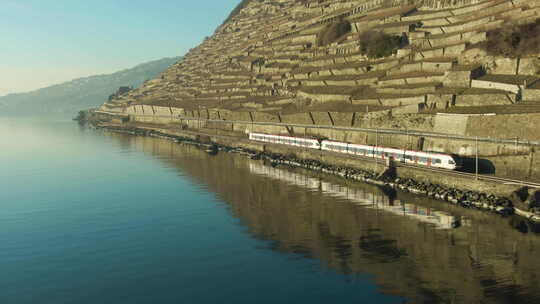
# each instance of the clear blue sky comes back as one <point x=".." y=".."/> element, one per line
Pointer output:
<point x="43" y="42"/>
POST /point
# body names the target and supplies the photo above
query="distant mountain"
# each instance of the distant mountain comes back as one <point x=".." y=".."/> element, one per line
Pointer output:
<point x="82" y="93"/>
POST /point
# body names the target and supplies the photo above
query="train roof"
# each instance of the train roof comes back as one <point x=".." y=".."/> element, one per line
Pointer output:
<point x="287" y="136"/>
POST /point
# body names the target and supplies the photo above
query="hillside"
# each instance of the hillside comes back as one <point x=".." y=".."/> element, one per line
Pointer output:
<point x="392" y="56"/>
<point x="70" y="97"/>
<point x="466" y="68"/>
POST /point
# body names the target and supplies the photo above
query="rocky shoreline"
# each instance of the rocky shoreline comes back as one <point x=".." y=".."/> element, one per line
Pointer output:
<point x="467" y="199"/>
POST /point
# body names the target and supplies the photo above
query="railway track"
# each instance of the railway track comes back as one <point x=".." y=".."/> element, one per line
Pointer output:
<point x="484" y="177"/>
<point x="472" y="176"/>
<point x="512" y="141"/>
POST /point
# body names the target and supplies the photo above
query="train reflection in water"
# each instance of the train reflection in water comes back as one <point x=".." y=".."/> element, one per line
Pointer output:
<point x="376" y="200"/>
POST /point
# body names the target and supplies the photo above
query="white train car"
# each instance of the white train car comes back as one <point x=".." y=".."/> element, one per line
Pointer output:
<point x="429" y="159"/>
<point x="341" y="147"/>
<point x="286" y="140"/>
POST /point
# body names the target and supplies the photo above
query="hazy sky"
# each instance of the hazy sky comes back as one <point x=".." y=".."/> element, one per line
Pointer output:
<point x="43" y="42"/>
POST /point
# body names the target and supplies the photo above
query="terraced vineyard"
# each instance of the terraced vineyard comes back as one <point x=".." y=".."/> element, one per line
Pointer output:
<point x="278" y="59"/>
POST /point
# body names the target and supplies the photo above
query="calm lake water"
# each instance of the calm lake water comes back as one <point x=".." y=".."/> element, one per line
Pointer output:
<point x="95" y="217"/>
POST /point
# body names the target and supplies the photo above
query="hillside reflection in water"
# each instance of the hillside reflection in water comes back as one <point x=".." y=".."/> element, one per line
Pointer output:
<point x="427" y="251"/>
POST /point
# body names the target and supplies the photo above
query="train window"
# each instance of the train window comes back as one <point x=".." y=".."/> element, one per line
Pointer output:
<point x="408" y="157"/>
<point x="451" y="162"/>
<point x="437" y="161"/>
<point x="422" y="159"/>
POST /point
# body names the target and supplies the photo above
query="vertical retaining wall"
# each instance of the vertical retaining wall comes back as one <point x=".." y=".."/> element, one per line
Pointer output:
<point x="507" y="159"/>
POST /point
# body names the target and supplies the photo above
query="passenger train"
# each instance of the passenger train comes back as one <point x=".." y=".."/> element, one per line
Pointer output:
<point x="428" y="159"/>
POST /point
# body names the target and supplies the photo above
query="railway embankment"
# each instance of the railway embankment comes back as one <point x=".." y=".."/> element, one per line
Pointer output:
<point x="504" y="155"/>
<point x="457" y="188"/>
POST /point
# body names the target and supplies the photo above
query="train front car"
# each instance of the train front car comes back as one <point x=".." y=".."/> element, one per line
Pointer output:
<point x="429" y="159"/>
<point x="444" y="161"/>
<point x="455" y="162"/>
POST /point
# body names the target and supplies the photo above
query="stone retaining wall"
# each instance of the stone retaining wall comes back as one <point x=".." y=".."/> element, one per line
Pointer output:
<point x="507" y="159"/>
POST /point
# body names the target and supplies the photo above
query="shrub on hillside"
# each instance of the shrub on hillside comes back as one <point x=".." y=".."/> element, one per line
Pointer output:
<point x="514" y="41"/>
<point x="375" y="44"/>
<point x="121" y="91"/>
<point x="333" y="32"/>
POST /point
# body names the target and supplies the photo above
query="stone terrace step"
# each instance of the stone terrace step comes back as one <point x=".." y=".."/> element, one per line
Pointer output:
<point x="426" y="15"/>
<point x="369" y="78"/>
<point x="465" y="97"/>
<point x="428" y="65"/>
<point x="411" y="78"/>
<point x="388" y="100"/>
<point x="451" y="50"/>
<point x="442" y="40"/>
<point x="410" y="89"/>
